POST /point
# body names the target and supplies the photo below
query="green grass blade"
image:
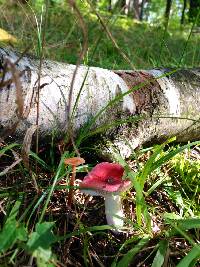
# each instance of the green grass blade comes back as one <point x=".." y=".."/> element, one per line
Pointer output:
<point x="127" y="242"/>
<point x="40" y="161"/>
<point x="149" y="166"/>
<point x="86" y="229"/>
<point x="60" y="167"/>
<point x="160" y="255"/>
<point x="171" y="154"/>
<point x="155" y="185"/>
<point x="128" y="258"/>
<point x="9" y="147"/>
<point x="116" y="123"/>
<point x="191" y="258"/>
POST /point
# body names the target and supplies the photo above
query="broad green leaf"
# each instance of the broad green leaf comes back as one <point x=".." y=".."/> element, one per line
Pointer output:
<point x="160" y="255"/>
<point x="8" y="236"/>
<point x="182" y="224"/>
<point x="191" y="258"/>
<point x="171" y="216"/>
<point x="43" y="256"/>
<point x="39" y="243"/>
<point x="128" y="258"/>
<point x="42" y="237"/>
<point x="21" y="232"/>
<point x="186" y="224"/>
<point x="11" y="233"/>
<point x="12" y="230"/>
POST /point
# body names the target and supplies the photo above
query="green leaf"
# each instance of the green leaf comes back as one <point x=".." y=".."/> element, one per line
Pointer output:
<point x="171" y="216"/>
<point x="187" y="224"/>
<point x="43" y="256"/>
<point x="160" y="255"/>
<point x="42" y="237"/>
<point x="8" y="236"/>
<point x="126" y="260"/>
<point x="191" y="258"/>
<point x="155" y="185"/>
<point x="22" y="234"/>
<point x="14" y="211"/>
<point x="39" y="243"/>
<point x="11" y="233"/>
<point x="181" y="224"/>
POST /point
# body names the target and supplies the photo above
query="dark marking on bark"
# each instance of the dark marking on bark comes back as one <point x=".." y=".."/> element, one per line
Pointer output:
<point x="145" y="90"/>
<point x="6" y="131"/>
<point x="43" y="85"/>
<point x="28" y="73"/>
<point x="118" y="90"/>
<point x="8" y="92"/>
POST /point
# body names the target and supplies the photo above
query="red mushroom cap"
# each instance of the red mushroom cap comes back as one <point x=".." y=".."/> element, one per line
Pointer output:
<point x="106" y="178"/>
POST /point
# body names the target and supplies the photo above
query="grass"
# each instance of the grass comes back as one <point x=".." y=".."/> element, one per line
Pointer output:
<point x="141" y="42"/>
<point x="162" y="208"/>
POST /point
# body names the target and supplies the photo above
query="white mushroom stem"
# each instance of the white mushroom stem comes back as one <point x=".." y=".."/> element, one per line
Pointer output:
<point x="113" y="210"/>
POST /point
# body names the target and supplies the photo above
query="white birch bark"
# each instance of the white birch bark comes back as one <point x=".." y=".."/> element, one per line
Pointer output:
<point x="176" y="96"/>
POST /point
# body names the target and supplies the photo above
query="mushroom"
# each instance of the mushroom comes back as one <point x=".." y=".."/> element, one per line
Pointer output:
<point x="105" y="179"/>
<point x="74" y="162"/>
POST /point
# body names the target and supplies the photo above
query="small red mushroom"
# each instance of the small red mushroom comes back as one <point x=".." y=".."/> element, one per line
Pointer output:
<point x="105" y="179"/>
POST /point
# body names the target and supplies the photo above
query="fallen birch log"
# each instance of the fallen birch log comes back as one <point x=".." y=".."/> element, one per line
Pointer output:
<point x="166" y="101"/>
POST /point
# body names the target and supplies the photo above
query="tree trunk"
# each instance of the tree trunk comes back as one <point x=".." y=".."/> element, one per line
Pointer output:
<point x="136" y="9"/>
<point x="142" y="10"/>
<point x="109" y="5"/>
<point x="167" y="9"/>
<point x="167" y="106"/>
<point x="112" y="4"/>
<point x="129" y="7"/>
<point x="194" y="10"/>
<point x="183" y="12"/>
